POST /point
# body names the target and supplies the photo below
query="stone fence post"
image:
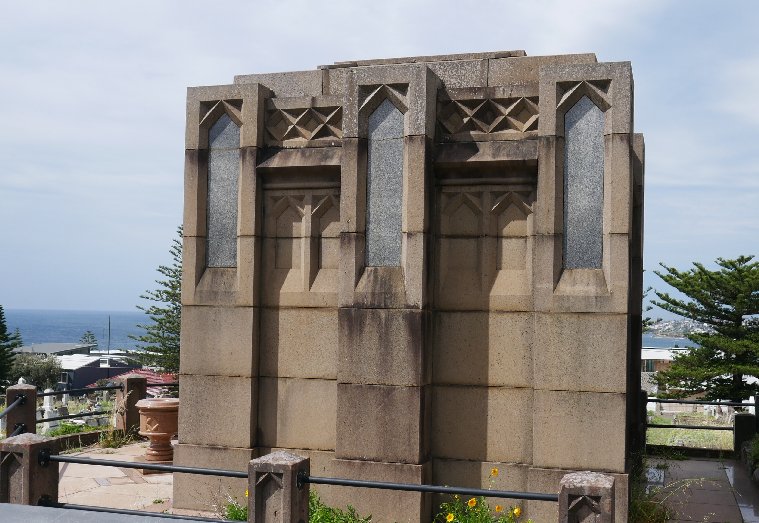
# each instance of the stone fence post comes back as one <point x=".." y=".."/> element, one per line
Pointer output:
<point x="127" y="414"/>
<point x="24" y="414"/>
<point x="744" y="428"/>
<point x="586" y="496"/>
<point x="23" y="481"/>
<point x="273" y="492"/>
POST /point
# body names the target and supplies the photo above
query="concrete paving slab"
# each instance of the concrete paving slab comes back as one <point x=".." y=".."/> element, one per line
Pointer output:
<point x="27" y="514"/>
<point x="704" y="490"/>
<point x="165" y="479"/>
<point x="77" y="470"/>
<point x="73" y="485"/>
<point x="114" y="487"/>
<point x="746" y="492"/>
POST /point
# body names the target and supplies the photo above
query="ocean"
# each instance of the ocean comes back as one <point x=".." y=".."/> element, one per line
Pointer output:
<point x="52" y="326"/>
<point x="661" y="342"/>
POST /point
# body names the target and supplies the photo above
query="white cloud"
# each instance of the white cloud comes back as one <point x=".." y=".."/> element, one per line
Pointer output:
<point x="739" y="89"/>
<point x="93" y="118"/>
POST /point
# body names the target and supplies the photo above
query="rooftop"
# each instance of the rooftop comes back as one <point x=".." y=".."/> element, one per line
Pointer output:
<point x="55" y="348"/>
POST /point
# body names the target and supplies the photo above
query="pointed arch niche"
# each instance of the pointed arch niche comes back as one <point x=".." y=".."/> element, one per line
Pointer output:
<point x="583" y="185"/>
<point x="223" y="175"/>
<point x="384" y="187"/>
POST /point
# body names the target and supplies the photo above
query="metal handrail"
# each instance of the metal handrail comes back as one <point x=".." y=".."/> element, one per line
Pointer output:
<point x="82" y="414"/>
<point x="20" y="400"/>
<point x="45" y="457"/>
<point x="90" y="508"/>
<point x="77" y="391"/>
<point x="20" y="429"/>
<point x="700" y="402"/>
<point x="698" y="427"/>
<point x="436" y="489"/>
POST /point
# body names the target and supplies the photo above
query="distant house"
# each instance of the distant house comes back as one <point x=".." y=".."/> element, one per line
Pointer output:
<point x="655" y="359"/>
<point x="652" y="361"/>
<point x="79" y="370"/>
<point x="155" y="380"/>
<point x="56" y="349"/>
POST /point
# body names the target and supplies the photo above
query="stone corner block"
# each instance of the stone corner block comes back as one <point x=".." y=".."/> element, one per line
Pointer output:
<point x="382" y="346"/>
<point x="382" y="423"/>
<point x="585" y="496"/>
<point x="23" y="479"/>
<point x="276" y="493"/>
<point x="195" y="492"/>
<point x="219" y="341"/>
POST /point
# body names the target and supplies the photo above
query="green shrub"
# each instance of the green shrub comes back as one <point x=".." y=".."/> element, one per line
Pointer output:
<point x="318" y="512"/>
<point x="753" y="453"/>
<point x="234" y="511"/>
<point x="65" y="429"/>
<point x="114" y="439"/>
<point x="477" y="510"/>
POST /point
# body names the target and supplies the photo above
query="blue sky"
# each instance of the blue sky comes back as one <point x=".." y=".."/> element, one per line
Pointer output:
<point x="92" y="132"/>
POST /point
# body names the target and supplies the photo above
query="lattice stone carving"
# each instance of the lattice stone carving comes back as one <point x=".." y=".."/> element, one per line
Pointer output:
<point x="301" y="245"/>
<point x="584" y="509"/>
<point x="484" y="247"/>
<point x="308" y="123"/>
<point x="489" y="115"/>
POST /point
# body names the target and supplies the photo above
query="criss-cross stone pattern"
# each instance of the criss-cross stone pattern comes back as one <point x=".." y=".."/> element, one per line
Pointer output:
<point x="489" y="115"/>
<point x="309" y="123"/>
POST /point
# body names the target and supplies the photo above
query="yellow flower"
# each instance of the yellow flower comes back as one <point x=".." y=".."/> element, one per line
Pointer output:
<point x="517" y="511"/>
<point x="472" y="502"/>
<point x="498" y="508"/>
<point x="494" y="472"/>
<point x="455" y="496"/>
<point x="449" y="517"/>
<point x="246" y="493"/>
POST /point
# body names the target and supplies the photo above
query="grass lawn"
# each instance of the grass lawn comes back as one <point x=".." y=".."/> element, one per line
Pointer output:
<point x="693" y="438"/>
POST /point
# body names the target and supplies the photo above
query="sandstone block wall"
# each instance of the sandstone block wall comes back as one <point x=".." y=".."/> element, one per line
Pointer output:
<point x="414" y="270"/>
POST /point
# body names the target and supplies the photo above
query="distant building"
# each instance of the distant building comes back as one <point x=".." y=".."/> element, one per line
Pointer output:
<point x="656" y="359"/>
<point x="653" y="360"/>
<point x="57" y="349"/>
<point x="156" y="380"/>
<point x="79" y="370"/>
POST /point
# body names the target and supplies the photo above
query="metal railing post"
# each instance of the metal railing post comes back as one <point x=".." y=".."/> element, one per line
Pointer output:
<point x="744" y="429"/>
<point x="275" y="493"/>
<point x="23" y="479"/>
<point x="25" y="413"/>
<point x="586" y="496"/>
<point x="127" y="414"/>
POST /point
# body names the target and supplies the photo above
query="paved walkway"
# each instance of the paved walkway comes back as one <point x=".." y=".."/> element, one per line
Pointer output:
<point x="116" y="487"/>
<point x="717" y="491"/>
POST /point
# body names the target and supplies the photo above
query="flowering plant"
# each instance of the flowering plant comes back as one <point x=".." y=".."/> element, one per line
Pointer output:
<point x="477" y="510"/>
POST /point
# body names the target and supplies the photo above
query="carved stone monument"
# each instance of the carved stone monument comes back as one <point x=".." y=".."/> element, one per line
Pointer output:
<point x="414" y="270"/>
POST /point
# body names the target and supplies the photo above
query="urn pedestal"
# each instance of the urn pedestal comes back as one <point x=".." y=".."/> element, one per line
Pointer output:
<point x="158" y="422"/>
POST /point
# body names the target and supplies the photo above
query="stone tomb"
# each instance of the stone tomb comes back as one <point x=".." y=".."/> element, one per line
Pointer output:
<point x="413" y="270"/>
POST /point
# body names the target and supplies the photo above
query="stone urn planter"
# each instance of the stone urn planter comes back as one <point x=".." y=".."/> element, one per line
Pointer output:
<point x="158" y="422"/>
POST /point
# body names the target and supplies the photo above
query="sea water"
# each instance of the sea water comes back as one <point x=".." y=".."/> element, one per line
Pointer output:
<point x="55" y="326"/>
<point x="662" y="342"/>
